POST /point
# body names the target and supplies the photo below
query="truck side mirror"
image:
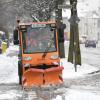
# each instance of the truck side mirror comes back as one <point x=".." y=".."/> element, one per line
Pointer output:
<point x="15" y="37"/>
<point x="61" y="32"/>
<point x="61" y="40"/>
<point x="63" y="26"/>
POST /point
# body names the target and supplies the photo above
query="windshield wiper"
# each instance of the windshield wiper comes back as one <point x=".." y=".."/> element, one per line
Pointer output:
<point x="47" y="49"/>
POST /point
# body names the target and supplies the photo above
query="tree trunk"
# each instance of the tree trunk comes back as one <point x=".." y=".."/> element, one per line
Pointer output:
<point x="74" y="47"/>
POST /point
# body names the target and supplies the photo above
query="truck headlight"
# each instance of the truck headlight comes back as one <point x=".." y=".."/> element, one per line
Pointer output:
<point x="55" y="56"/>
<point x="27" y="58"/>
<point x="26" y="65"/>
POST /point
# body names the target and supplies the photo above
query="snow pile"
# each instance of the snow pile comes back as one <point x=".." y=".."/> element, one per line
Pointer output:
<point x="8" y="96"/>
<point x="8" y="69"/>
<point x="69" y="70"/>
<point x="12" y="50"/>
<point x="72" y="94"/>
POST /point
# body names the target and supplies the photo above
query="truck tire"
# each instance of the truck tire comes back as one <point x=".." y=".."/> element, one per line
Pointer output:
<point x="20" y="72"/>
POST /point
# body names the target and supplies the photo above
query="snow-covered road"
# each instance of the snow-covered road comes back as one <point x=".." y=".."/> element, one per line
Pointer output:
<point x="78" y="86"/>
<point x="89" y="55"/>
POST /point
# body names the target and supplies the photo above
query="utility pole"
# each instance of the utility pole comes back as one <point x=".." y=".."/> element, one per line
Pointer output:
<point x="74" y="54"/>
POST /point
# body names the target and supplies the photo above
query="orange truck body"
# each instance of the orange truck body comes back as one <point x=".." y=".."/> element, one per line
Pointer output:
<point x="40" y="67"/>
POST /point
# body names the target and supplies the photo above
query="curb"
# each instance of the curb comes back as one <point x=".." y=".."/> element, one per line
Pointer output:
<point x="94" y="72"/>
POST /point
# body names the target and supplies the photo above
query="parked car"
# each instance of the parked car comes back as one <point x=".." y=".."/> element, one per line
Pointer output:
<point x="90" y="43"/>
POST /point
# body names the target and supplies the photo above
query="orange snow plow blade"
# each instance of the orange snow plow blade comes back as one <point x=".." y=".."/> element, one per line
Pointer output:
<point x="40" y="77"/>
<point x="32" y="77"/>
<point x="53" y="75"/>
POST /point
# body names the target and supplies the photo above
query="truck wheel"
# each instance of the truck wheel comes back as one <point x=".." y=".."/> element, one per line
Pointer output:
<point x="20" y="72"/>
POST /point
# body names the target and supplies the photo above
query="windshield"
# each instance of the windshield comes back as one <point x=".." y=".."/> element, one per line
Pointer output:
<point x="38" y="39"/>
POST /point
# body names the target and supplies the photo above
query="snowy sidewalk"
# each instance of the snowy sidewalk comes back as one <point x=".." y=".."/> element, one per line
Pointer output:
<point x="69" y="70"/>
<point x="12" y="50"/>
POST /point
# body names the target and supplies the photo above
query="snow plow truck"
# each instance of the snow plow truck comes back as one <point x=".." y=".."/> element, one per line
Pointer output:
<point x="39" y="59"/>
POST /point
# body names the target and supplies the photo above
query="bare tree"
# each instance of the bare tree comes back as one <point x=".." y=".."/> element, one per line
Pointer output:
<point x="25" y="10"/>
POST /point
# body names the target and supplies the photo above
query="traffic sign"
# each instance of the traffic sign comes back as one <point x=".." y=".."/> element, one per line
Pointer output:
<point x="64" y="6"/>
